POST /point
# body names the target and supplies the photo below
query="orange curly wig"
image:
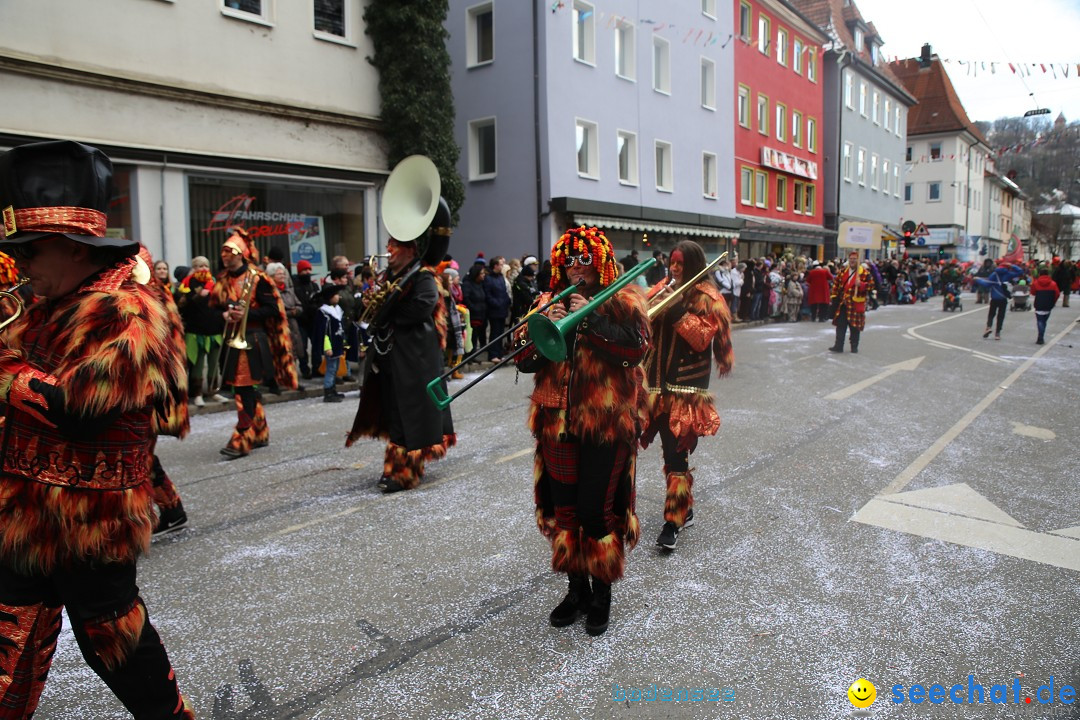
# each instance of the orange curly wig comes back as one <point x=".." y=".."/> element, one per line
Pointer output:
<point x="583" y="241"/>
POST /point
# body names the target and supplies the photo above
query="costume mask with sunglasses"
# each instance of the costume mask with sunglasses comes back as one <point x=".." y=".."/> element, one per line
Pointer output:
<point x="587" y="246"/>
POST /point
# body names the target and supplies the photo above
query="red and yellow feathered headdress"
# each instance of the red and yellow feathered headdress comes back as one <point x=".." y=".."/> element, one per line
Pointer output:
<point x="583" y="241"/>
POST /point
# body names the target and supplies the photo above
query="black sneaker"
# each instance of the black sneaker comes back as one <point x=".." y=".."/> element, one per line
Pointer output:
<point x="689" y="519"/>
<point x="391" y="486"/>
<point x="836" y="349"/>
<point x="669" y="536"/>
<point x="170" y="520"/>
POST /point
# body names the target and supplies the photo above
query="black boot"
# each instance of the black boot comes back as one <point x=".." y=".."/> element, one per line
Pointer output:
<point x="576" y="602"/>
<point x="596" y="621"/>
<point x="331" y="396"/>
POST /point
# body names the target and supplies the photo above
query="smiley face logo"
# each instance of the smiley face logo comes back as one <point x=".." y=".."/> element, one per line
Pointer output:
<point x="862" y="693"/>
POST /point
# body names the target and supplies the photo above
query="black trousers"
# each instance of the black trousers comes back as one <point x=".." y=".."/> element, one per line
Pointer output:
<point x="842" y="327"/>
<point x="997" y="307"/>
<point x="496" y="326"/>
<point x="144" y="682"/>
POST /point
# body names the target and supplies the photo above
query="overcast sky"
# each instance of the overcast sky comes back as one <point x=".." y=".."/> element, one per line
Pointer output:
<point x="1017" y="31"/>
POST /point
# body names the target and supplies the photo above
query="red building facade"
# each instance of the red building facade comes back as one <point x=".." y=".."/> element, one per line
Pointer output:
<point x="778" y="128"/>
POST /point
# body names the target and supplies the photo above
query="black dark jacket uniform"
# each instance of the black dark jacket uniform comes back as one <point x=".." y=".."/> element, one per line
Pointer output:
<point x="403" y="358"/>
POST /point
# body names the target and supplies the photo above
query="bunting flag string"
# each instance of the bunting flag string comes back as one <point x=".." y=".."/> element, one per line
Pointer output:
<point x="1055" y="70"/>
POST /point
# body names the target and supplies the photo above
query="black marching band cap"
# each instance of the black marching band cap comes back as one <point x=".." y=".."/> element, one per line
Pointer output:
<point x="58" y="187"/>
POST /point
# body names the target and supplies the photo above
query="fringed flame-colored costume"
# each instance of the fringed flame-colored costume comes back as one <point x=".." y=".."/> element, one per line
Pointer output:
<point x="75" y="495"/>
<point x="408" y="338"/>
<point x="584" y="417"/>
<point x="268" y="358"/>
<point x="678" y="405"/>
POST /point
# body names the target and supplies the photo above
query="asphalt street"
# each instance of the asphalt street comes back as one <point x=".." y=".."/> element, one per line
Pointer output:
<point x="907" y="515"/>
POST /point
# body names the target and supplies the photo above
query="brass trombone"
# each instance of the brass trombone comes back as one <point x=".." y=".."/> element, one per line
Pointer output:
<point x="661" y="306"/>
<point x="12" y="294"/>
<point x="549" y="336"/>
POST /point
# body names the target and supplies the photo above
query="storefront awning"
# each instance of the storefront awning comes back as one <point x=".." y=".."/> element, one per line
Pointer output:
<point x="806" y="235"/>
<point x="652" y="226"/>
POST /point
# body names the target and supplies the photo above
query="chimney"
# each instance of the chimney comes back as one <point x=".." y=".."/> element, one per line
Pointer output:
<point x="924" y="60"/>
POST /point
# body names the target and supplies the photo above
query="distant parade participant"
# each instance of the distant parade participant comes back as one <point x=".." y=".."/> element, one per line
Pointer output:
<point x="249" y="301"/>
<point x="584" y="419"/>
<point x="848" y="297"/>
<point x="408" y="339"/>
<point x="677" y="368"/>
<point x="81" y="371"/>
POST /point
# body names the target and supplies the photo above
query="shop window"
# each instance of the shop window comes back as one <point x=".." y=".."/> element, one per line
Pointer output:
<point x="119" y="217"/>
<point x="309" y="221"/>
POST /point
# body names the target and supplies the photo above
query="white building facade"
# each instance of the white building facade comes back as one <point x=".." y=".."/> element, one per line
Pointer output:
<point x="255" y="112"/>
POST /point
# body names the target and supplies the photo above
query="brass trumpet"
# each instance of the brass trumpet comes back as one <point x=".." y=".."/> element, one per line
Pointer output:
<point x="12" y="294"/>
<point x="237" y="334"/>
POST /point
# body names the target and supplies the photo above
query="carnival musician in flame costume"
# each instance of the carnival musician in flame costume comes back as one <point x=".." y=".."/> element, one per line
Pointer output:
<point x="584" y="418"/>
<point x="81" y="371"/>
<point x="244" y="292"/>
<point x="678" y="404"/>
<point x="408" y="337"/>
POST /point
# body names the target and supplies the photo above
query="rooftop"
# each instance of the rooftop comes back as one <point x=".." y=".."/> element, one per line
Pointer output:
<point x="939" y="109"/>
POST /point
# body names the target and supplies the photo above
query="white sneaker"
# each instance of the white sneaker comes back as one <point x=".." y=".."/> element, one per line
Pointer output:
<point x="218" y="397"/>
<point x="199" y="402"/>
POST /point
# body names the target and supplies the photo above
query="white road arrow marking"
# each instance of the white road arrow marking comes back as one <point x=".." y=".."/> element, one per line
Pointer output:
<point x="889" y="370"/>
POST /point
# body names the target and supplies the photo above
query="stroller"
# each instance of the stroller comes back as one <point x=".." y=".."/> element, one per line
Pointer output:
<point x="951" y="299"/>
<point x="1021" y="296"/>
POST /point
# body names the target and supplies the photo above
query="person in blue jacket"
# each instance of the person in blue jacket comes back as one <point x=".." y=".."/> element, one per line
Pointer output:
<point x="997" y="284"/>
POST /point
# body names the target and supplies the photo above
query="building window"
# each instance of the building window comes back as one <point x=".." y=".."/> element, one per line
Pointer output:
<point x="907" y="155"/>
<point x="661" y="68"/>
<point x="482" y="151"/>
<point x="907" y="192"/>
<point x="761" y="189"/>
<point x="860" y="166"/>
<point x="746" y="186"/>
<point x="781" y="47"/>
<point x="862" y="99"/>
<point x="800" y="195"/>
<point x="628" y="158"/>
<point x="764" y="32"/>
<point x="848" y="148"/>
<point x="708" y="83"/>
<point x="708" y="7"/>
<point x="247" y="9"/>
<point x="896" y="127"/>
<point x="744" y="106"/>
<point x="796" y="56"/>
<point x="896" y="180"/>
<point x="588" y="149"/>
<point x="625" y="50"/>
<point x="665" y="181"/>
<point x="708" y="175"/>
<point x="875" y="177"/>
<point x="781" y="122"/>
<point x="933" y="192"/>
<point x="330" y="18"/>
<point x="808" y="201"/>
<point x="584" y="32"/>
<point x="849" y="95"/>
<point x="858" y="40"/>
<point x="811" y="135"/>
<point x="885" y="176"/>
<point x="796" y="128"/>
<point x="935" y="152"/>
<point x="888" y="115"/>
<point x="781" y="193"/>
<point x="877" y="108"/>
<point x="763" y="114"/>
<point x="479" y="34"/>
<point x="746" y="20"/>
<point x="811" y="63"/>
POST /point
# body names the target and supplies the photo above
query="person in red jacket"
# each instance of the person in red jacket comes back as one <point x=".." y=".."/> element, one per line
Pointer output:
<point x="1044" y="292"/>
<point x="820" y="281"/>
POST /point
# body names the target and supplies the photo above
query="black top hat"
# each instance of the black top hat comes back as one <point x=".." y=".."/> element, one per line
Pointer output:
<point x="56" y="188"/>
<point x="329" y="290"/>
